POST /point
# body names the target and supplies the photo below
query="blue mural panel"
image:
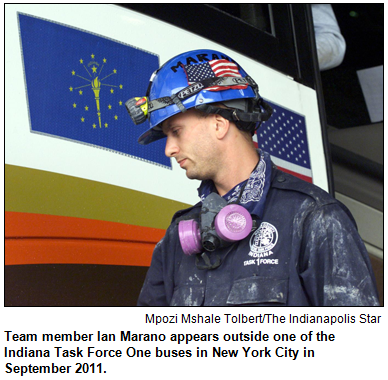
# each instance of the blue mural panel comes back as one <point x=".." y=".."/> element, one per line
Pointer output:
<point x="77" y="84"/>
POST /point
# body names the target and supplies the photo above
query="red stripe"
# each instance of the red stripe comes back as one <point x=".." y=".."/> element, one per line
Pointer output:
<point x="227" y="73"/>
<point x="301" y="176"/>
<point x="216" y="62"/>
<point x="219" y="66"/>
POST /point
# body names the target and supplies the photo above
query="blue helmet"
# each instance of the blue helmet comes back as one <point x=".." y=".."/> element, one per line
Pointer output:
<point x="197" y="79"/>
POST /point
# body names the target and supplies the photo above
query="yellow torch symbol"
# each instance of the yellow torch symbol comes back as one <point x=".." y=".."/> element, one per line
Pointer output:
<point x="96" y="87"/>
<point x="95" y="80"/>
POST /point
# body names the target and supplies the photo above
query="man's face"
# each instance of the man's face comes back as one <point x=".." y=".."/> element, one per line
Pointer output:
<point x="191" y="141"/>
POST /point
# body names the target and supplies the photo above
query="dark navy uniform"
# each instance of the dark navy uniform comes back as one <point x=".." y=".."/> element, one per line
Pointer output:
<point x="305" y="251"/>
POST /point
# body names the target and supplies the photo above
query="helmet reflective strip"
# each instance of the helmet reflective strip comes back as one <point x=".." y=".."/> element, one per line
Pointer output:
<point x="195" y="88"/>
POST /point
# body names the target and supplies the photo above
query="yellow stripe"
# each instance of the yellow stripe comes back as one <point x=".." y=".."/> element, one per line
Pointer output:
<point x="42" y="192"/>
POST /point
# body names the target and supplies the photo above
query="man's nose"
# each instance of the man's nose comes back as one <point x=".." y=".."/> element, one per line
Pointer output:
<point x="172" y="148"/>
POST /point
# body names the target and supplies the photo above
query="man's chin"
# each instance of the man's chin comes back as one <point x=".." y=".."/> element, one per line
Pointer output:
<point x="194" y="175"/>
<point x="190" y="174"/>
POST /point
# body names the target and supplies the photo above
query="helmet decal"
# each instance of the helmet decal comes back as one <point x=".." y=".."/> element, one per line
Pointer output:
<point x="190" y="80"/>
<point x="213" y="69"/>
<point x="198" y="58"/>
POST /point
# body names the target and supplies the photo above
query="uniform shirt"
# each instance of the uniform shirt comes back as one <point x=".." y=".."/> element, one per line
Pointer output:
<point x="305" y="251"/>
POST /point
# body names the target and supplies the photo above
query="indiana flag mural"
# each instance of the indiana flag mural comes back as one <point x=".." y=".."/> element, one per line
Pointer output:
<point x="284" y="137"/>
<point x="77" y="84"/>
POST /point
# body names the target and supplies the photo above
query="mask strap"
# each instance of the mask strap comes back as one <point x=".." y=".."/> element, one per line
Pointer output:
<point x="206" y="259"/>
<point x="208" y="265"/>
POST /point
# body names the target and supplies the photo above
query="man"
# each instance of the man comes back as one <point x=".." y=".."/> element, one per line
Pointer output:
<point x="258" y="236"/>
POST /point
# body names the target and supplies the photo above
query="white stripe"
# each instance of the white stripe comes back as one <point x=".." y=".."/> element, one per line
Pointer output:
<point x="227" y="70"/>
<point x="229" y="74"/>
<point x="224" y="66"/>
<point x="288" y="165"/>
<point x="214" y="65"/>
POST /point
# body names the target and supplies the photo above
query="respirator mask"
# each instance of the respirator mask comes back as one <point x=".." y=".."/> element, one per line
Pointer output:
<point x="220" y="225"/>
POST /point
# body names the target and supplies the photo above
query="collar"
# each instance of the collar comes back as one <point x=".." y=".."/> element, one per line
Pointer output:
<point x="250" y="193"/>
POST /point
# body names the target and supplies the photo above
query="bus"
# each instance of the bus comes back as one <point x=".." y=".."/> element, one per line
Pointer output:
<point x="85" y="204"/>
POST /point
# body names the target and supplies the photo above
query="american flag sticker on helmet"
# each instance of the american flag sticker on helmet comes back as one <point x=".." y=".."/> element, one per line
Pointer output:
<point x="213" y="69"/>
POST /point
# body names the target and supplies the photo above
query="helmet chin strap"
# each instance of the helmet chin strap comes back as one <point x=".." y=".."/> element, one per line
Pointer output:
<point x="262" y="111"/>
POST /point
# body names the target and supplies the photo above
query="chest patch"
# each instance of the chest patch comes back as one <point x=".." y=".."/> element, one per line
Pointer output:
<point x="262" y="241"/>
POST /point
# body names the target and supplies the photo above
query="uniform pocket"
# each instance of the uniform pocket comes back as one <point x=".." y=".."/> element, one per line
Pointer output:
<point x="259" y="290"/>
<point x="188" y="295"/>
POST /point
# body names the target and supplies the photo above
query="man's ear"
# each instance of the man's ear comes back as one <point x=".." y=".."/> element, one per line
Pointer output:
<point x="221" y="125"/>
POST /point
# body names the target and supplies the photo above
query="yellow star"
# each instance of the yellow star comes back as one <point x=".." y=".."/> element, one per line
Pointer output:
<point x="121" y="86"/>
<point x="92" y="55"/>
<point x="121" y="103"/>
<point x="110" y="107"/>
<point x="116" y="117"/>
<point x="73" y="72"/>
<point x="81" y="61"/>
<point x="80" y="92"/>
<point x="104" y="60"/>
<point x="106" y="125"/>
<point x="86" y="108"/>
<point x="74" y="105"/>
<point x="71" y="88"/>
<point x="82" y="119"/>
<point x="111" y="91"/>
<point x="114" y="71"/>
<point x="94" y="125"/>
<point x="94" y="68"/>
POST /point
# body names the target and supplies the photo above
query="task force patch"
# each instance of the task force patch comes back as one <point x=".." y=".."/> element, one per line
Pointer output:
<point x="262" y="241"/>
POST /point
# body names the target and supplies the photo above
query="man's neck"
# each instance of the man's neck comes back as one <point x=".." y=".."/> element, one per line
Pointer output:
<point x="236" y="170"/>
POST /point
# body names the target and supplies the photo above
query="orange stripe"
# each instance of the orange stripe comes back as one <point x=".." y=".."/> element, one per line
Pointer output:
<point x="63" y="251"/>
<point x="48" y="239"/>
<point x="20" y="224"/>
